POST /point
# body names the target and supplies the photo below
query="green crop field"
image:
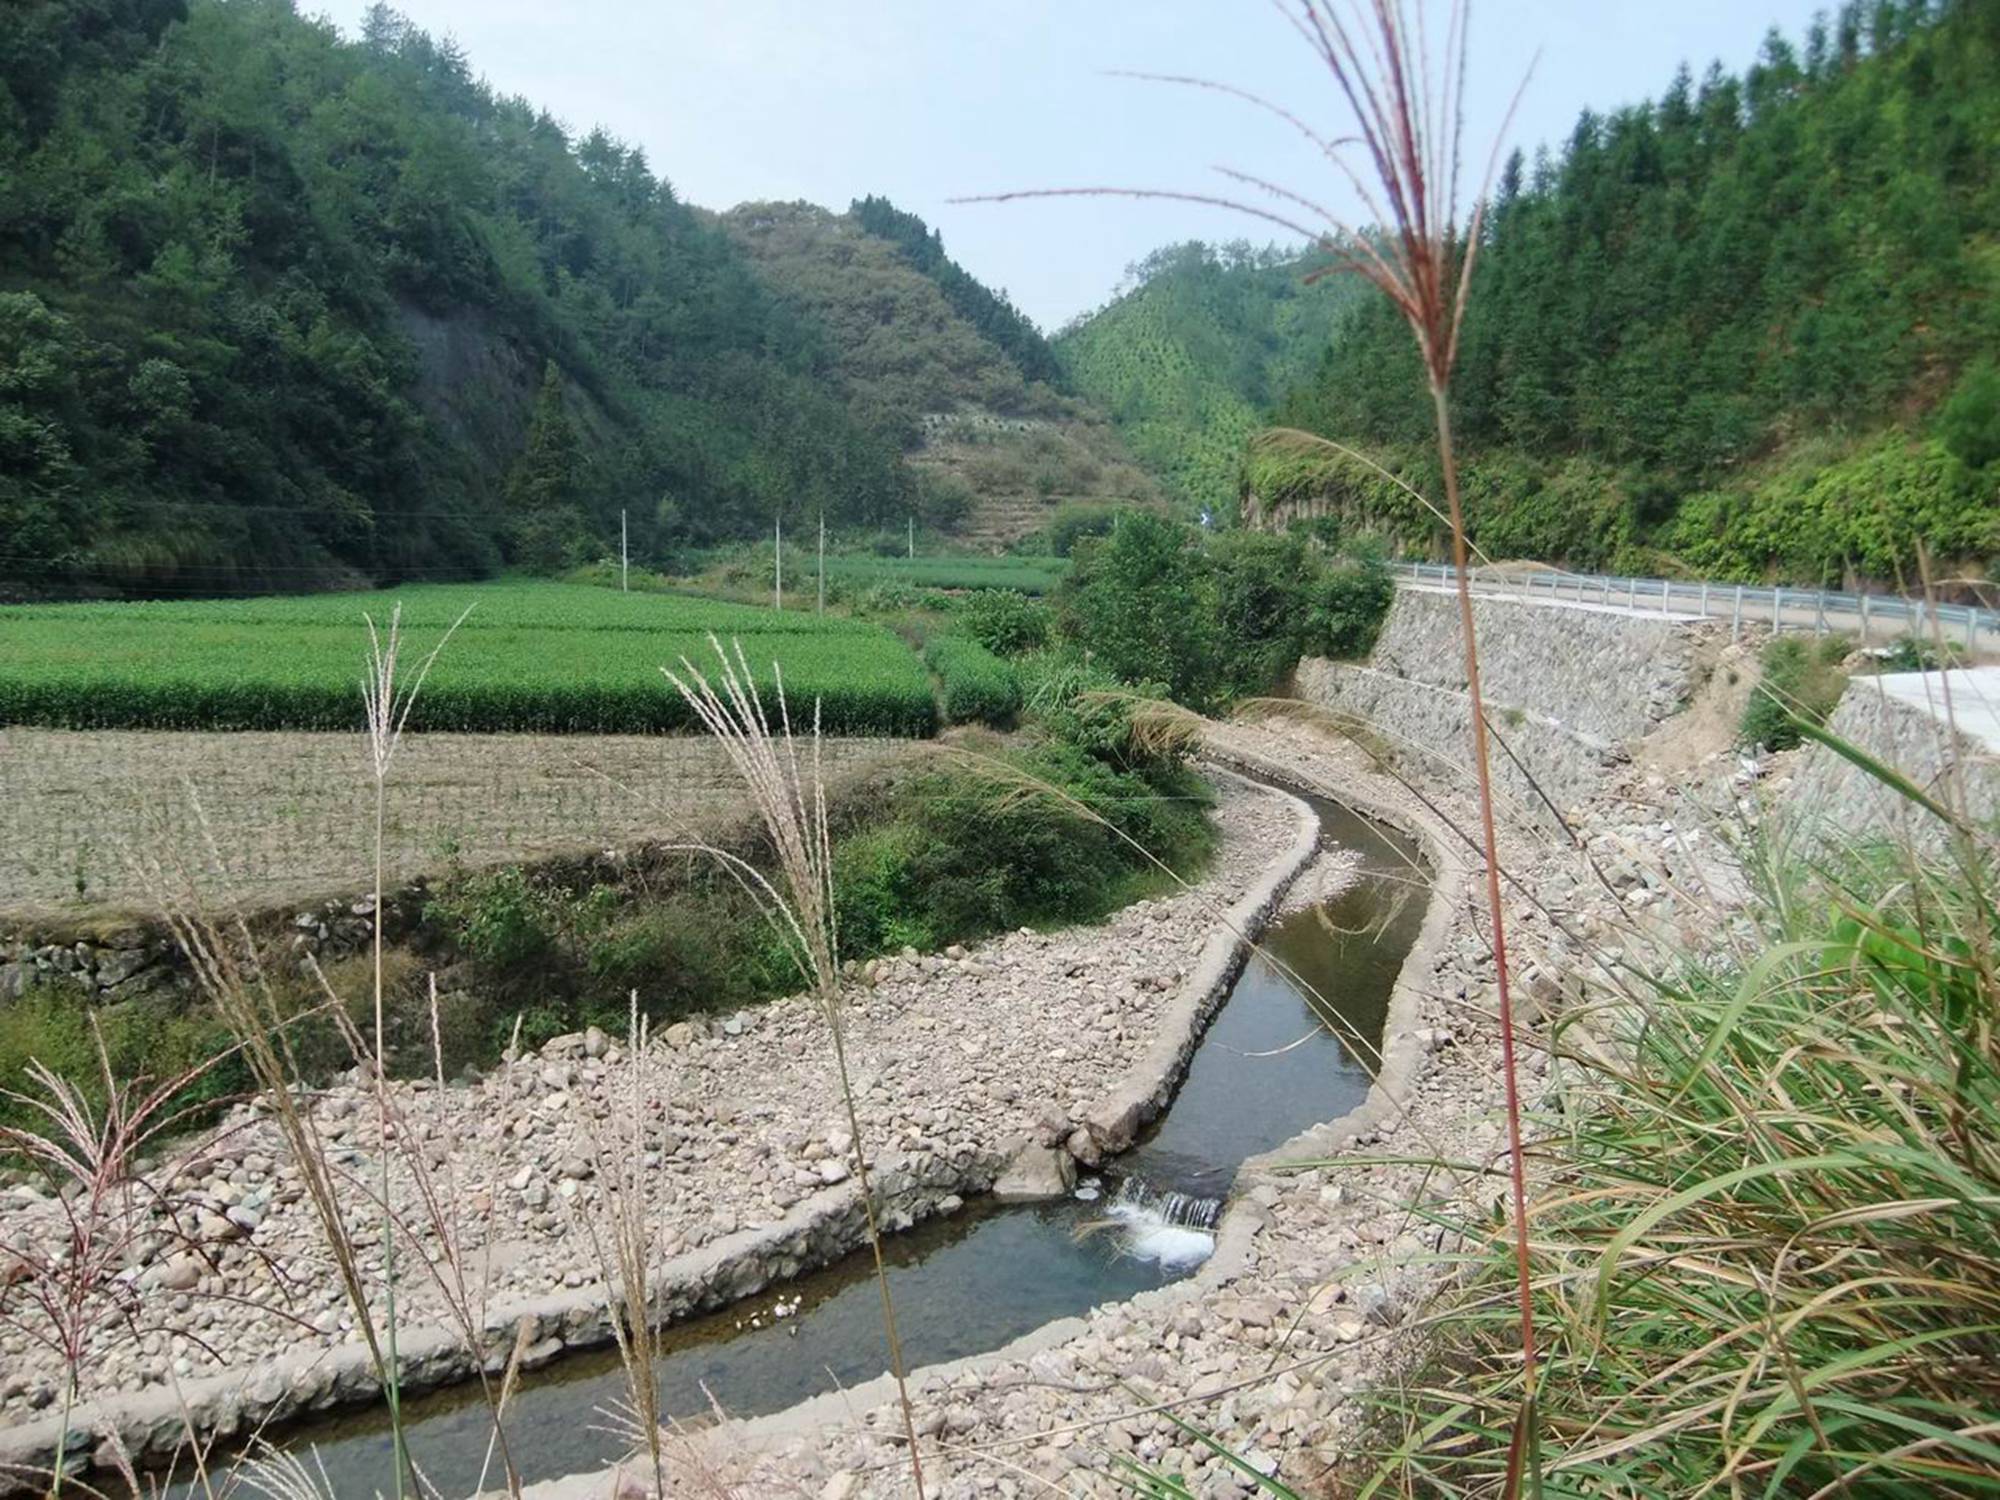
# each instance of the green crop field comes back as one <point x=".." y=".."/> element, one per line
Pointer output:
<point x="1030" y="575"/>
<point x="532" y="656"/>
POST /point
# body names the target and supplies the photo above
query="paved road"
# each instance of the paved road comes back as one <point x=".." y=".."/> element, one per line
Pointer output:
<point x="1885" y="621"/>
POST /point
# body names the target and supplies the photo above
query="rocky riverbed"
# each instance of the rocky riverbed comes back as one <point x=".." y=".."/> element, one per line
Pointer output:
<point x="958" y="1057"/>
<point x="1312" y="1297"/>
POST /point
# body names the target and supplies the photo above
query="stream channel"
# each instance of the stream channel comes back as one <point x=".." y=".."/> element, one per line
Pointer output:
<point x="977" y="1279"/>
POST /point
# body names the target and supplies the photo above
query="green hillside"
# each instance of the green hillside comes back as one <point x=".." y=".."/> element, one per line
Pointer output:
<point x="1746" y="330"/>
<point x="1188" y="361"/>
<point x="280" y="310"/>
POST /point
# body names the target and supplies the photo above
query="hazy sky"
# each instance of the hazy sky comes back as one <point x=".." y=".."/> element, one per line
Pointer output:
<point x="926" y="100"/>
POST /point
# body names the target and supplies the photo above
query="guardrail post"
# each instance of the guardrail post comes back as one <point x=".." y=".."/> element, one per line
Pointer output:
<point x="1819" y="622"/>
<point x="1736" y="616"/>
<point x="1704" y="598"/>
<point x="1864" y="619"/>
<point x="1777" y="610"/>
<point x="1632" y="593"/>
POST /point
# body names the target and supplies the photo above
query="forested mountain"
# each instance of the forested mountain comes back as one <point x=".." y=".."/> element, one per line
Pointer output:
<point x="281" y="310"/>
<point x="1191" y="357"/>
<point x="1746" y="329"/>
<point x="995" y="451"/>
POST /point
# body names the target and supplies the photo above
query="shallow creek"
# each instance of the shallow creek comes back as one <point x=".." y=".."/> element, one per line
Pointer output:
<point x="1268" y="1067"/>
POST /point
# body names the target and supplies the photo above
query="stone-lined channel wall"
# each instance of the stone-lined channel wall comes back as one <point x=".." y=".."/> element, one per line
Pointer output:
<point x="1329" y="1247"/>
<point x="1041" y="1395"/>
<point x="1140" y="993"/>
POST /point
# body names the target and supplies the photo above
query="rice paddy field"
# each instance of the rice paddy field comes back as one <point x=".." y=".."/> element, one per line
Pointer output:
<point x="531" y="657"/>
<point x="1029" y="575"/>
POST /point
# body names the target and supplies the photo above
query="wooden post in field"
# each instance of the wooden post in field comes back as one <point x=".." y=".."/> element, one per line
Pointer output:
<point x="822" y="562"/>
<point x="778" y="563"/>
<point x="624" y="558"/>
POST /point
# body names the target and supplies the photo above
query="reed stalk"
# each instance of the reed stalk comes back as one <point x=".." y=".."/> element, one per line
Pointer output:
<point x="790" y="798"/>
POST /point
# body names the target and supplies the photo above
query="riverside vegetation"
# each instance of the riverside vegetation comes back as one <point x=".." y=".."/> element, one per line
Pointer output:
<point x="1726" y="1220"/>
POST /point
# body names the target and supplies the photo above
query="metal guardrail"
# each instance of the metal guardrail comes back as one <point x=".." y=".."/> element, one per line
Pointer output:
<point x="1740" y="604"/>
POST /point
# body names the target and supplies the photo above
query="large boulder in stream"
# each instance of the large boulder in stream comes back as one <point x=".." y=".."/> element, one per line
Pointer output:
<point x="1036" y="1171"/>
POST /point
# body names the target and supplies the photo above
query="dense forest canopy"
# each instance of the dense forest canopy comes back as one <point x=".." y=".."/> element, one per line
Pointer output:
<point x="1190" y="357"/>
<point x="279" y="310"/>
<point x="1746" y="329"/>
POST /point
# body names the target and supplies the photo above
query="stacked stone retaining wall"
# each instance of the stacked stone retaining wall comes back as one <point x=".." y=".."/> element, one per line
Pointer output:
<point x="1568" y="691"/>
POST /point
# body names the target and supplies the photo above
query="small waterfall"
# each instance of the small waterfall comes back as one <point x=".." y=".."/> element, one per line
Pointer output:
<point x="1176" y="1230"/>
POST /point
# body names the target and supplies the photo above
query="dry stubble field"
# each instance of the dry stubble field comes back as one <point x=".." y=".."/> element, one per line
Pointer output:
<point x="290" y="811"/>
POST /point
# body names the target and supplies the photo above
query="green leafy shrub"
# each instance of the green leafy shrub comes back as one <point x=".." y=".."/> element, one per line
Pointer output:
<point x="1214" y="618"/>
<point x="972" y="852"/>
<point x="944" y="501"/>
<point x="1141" y="602"/>
<point x="979" y="688"/>
<point x="1802" y="678"/>
<point x="1350" y="600"/>
<point x="1005" y="621"/>
<point x="1969" y="424"/>
<point x="1072" y="523"/>
<point x="149" y="1041"/>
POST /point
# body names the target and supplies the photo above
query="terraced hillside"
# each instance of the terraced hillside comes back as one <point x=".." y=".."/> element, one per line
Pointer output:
<point x="994" y="452"/>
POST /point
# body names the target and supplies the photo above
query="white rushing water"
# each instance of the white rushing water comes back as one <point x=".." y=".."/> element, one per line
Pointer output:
<point x="1173" y="1230"/>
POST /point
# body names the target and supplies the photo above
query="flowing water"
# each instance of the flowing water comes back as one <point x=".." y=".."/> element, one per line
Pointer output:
<point x="1268" y="1067"/>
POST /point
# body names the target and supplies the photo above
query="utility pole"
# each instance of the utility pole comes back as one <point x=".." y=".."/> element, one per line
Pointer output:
<point x="624" y="558"/>
<point x="822" y="562"/>
<point x="778" y="563"/>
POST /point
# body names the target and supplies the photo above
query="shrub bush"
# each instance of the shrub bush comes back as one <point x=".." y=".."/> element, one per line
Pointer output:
<point x="148" y="1041"/>
<point x="1215" y="618"/>
<point x="1801" y="678"/>
<point x="1005" y="621"/>
<point x="969" y="853"/>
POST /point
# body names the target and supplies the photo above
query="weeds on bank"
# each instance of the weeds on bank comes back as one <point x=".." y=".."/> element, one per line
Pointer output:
<point x="1767" y="1230"/>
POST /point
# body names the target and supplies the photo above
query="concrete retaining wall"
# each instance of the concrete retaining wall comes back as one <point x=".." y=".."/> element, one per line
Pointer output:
<point x="1568" y="692"/>
<point x="1834" y="801"/>
<point x="1607" y="675"/>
